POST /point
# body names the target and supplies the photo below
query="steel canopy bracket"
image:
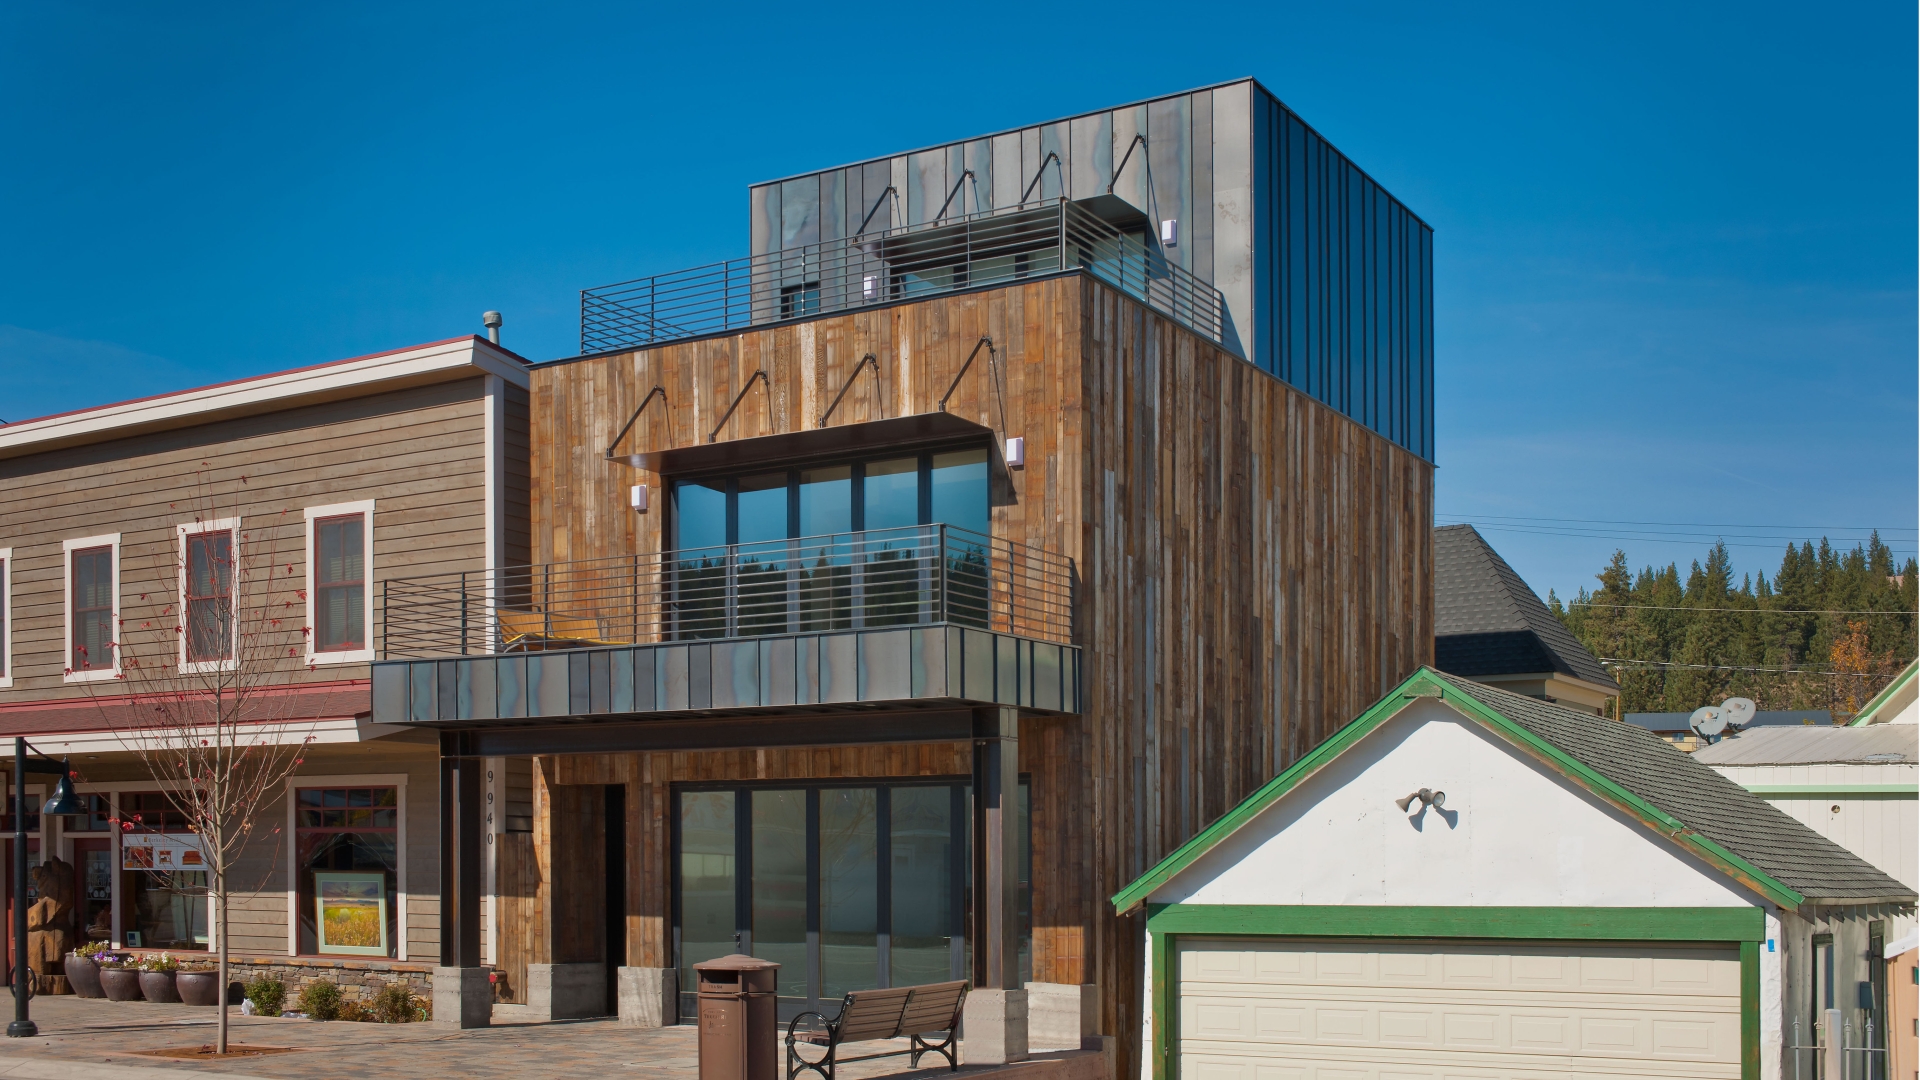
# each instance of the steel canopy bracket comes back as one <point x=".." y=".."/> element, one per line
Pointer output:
<point x="659" y="391"/>
<point x="760" y="376"/>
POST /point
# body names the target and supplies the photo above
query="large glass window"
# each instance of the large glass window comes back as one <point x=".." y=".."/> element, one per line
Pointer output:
<point x="92" y="607"/>
<point x="347" y="863"/>
<point x="866" y="554"/>
<point x="847" y="885"/>
<point x="340" y="584"/>
<point x="209" y="596"/>
<point x="160" y="909"/>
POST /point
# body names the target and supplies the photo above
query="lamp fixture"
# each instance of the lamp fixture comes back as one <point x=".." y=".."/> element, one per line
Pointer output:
<point x="637" y="498"/>
<point x="1425" y="797"/>
<point x="1016" y="453"/>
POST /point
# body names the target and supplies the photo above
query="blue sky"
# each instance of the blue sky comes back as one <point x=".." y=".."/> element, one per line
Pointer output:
<point x="1675" y="246"/>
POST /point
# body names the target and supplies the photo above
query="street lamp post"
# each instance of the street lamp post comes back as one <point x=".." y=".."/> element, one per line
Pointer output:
<point x="63" y="804"/>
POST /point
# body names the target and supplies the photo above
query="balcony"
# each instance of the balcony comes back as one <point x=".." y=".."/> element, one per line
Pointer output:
<point x="1105" y="237"/>
<point x="911" y="616"/>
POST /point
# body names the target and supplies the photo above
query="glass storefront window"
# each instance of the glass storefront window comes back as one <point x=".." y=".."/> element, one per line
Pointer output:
<point x="347" y="860"/>
<point x="160" y="909"/>
<point x="960" y="490"/>
<point x="850" y="886"/>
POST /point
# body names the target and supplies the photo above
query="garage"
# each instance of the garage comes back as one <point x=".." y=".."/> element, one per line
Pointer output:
<point x="1431" y="1009"/>
<point x="1470" y="884"/>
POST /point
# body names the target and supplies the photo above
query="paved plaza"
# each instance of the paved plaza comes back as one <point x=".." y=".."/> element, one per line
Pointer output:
<point x="92" y="1039"/>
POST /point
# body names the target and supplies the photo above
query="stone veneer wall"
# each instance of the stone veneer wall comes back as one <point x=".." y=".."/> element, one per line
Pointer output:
<point x="359" y="980"/>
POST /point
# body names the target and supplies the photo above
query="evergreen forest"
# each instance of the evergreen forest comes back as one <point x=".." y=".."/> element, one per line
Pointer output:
<point x="1828" y="631"/>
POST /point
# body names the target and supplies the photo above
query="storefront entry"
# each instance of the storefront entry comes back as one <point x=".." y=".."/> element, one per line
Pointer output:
<point x="849" y="886"/>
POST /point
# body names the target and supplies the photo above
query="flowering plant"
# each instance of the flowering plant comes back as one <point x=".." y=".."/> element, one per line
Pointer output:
<point x="114" y="960"/>
<point x="159" y="962"/>
<point x="94" y="949"/>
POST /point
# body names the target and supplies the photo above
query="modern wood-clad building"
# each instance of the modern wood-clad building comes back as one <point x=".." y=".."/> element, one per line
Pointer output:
<point x="327" y="480"/>
<point x="904" y="589"/>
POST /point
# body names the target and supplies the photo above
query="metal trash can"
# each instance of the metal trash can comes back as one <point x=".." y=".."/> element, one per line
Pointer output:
<point x="739" y="1031"/>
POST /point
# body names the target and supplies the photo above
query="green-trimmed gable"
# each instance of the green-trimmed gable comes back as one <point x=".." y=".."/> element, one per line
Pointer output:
<point x="1539" y="736"/>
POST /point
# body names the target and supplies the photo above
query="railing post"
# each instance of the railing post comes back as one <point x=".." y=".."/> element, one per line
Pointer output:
<point x="385" y="622"/>
<point x="946" y="575"/>
<point x="463" y="613"/>
<point x="732" y="620"/>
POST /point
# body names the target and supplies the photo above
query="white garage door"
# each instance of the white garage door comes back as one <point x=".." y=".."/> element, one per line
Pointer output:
<point x="1295" y="1009"/>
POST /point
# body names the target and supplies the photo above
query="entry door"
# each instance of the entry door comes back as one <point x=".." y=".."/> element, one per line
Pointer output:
<point x="847" y="887"/>
<point x="1316" y="1010"/>
<point x="93" y="890"/>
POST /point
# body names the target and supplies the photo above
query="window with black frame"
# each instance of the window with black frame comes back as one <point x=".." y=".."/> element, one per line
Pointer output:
<point x="886" y="541"/>
<point x="848" y="885"/>
<point x="347" y="862"/>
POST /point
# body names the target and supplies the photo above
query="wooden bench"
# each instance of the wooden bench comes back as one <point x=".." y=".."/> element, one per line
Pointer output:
<point x="910" y="1012"/>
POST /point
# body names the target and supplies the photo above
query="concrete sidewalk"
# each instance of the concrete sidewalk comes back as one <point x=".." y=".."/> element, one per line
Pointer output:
<point x="91" y="1039"/>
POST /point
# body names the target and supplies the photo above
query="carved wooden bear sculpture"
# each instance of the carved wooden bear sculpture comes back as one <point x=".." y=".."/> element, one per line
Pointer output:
<point x="49" y="926"/>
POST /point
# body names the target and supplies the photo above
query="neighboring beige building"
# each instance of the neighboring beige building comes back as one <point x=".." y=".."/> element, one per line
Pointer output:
<point x="1490" y="627"/>
<point x="1899" y="703"/>
<point x="405" y="462"/>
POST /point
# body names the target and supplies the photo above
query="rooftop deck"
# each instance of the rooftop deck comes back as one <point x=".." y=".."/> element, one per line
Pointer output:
<point x="1104" y="236"/>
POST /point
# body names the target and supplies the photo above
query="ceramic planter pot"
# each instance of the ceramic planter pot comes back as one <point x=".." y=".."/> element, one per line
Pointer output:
<point x="120" y="984"/>
<point x="157" y="987"/>
<point x="84" y="976"/>
<point x="198" y="987"/>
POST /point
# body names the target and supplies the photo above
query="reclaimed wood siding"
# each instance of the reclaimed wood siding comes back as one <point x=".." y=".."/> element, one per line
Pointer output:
<point x="1254" y="567"/>
<point x="1257" y="570"/>
<point x="416" y="452"/>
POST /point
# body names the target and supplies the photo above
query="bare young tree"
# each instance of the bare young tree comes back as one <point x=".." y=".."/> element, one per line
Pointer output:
<point x="219" y="628"/>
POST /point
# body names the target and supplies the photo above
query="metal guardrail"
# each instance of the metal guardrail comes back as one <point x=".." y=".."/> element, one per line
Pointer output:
<point x="817" y="584"/>
<point x="881" y="267"/>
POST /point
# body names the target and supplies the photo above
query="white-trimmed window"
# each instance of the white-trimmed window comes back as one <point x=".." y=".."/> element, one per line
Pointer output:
<point x="340" y="583"/>
<point x="209" y="633"/>
<point x="6" y="617"/>
<point x="92" y="579"/>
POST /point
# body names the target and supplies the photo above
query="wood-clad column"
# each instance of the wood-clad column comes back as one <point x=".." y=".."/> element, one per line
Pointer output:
<point x="461" y="993"/>
<point x="996" y="849"/>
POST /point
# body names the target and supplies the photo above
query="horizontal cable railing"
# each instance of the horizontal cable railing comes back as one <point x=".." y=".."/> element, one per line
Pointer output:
<point x="961" y="252"/>
<point x="845" y="581"/>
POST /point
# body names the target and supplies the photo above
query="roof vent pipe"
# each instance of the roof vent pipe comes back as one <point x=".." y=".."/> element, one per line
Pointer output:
<point x="492" y="321"/>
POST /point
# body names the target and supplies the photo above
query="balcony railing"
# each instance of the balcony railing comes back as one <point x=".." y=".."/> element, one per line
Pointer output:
<point x="817" y="584"/>
<point x="992" y="247"/>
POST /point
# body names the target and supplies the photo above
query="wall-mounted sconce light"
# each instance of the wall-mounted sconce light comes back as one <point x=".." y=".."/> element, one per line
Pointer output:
<point x="1425" y="797"/>
<point x="637" y="498"/>
<point x="1016" y="452"/>
<point x="1170" y="232"/>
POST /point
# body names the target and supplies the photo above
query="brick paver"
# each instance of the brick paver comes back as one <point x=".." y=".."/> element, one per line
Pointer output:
<point x="80" y="1039"/>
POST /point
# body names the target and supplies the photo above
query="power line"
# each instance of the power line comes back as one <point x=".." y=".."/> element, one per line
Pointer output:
<point x="1696" y="524"/>
<point x="1695" y="542"/>
<point x="1749" y="611"/>
<point x="1736" y="667"/>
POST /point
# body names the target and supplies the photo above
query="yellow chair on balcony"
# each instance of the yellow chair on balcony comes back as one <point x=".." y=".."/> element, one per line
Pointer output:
<point x="523" y="629"/>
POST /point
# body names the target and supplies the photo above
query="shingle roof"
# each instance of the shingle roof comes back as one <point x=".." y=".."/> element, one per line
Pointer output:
<point x="1874" y="745"/>
<point x="1488" y="622"/>
<point x="1700" y="798"/>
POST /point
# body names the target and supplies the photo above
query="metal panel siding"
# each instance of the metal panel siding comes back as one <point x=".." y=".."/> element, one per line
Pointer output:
<point x="1008" y="178"/>
<point x="620" y="682"/>
<point x="1053" y="140"/>
<point x="699" y="676"/>
<point x="510" y="687"/>
<point x="390" y="690"/>
<point x="833" y="204"/>
<point x="800" y="212"/>
<point x="1090" y="162"/>
<point x="1197" y="232"/>
<point x="421" y="705"/>
<point x="742" y="676"/>
<point x="1132" y="181"/>
<point x="779" y="689"/>
<point x="886" y="672"/>
<point x="897" y="178"/>
<point x="646" y="687"/>
<point x="763" y="215"/>
<point x="979" y="193"/>
<point x="483" y="693"/>
<point x="549" y="693"/>
<point x="1233" y="212"/>
<point x="672" y="676"/>
<point x="977" y="665"/>
<point x="926" y="185"/>
<point x="1167" y="182"/>
<point x="806" y="671"/>
<point x="840" y="668"/>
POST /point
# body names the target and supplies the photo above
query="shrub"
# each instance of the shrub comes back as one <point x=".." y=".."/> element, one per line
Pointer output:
<point x="320" y="1000"/>
<point x="395" y="1004"/>
<point x="267" y="995"/>
<point x="353" y="1012"/>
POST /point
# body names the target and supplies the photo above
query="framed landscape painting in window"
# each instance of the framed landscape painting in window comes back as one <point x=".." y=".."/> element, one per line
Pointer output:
<point x="352" y="915"/>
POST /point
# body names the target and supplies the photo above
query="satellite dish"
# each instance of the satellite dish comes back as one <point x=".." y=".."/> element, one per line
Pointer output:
<point x="1707" y="721"/>
<point x="1739" y="711"/>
